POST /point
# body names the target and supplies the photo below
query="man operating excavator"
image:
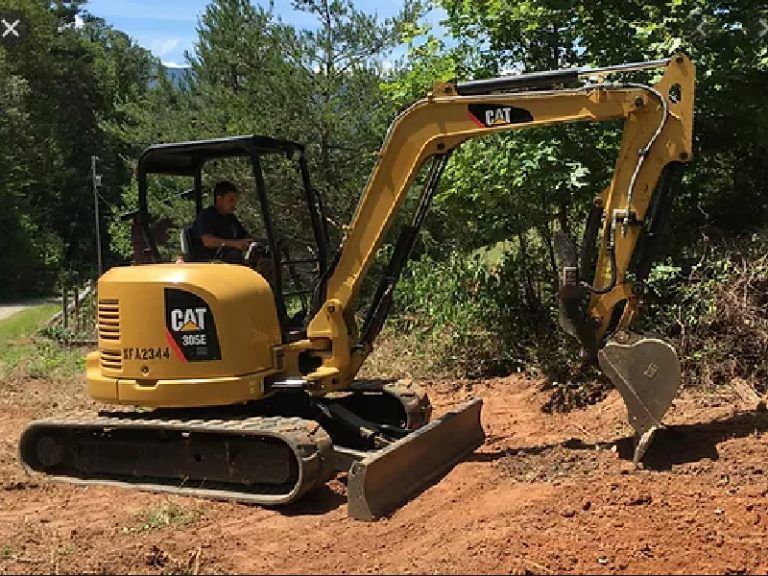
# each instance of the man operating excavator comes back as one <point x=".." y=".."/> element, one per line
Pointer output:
<point x="220" y="231"/>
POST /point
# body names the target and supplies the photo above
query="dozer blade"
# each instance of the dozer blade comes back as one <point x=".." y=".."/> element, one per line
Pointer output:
<point x="379" y="483"/>
<point x="646" y="371"/>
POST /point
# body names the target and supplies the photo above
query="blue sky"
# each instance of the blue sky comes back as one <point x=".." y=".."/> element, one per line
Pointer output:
<point x="167" y="27"/>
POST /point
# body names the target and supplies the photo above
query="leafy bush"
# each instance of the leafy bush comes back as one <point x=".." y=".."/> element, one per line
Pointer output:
<point x="24" y="352"/>
<point x="466" y="316"/>
<point x="716" y="309"/>
<point x="479" y="318"/>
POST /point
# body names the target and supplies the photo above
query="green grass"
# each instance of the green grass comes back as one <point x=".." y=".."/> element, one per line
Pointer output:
<point x="5" y="552"/>
<point x="24" y="324"/>
<point x="169" y="514"/>
<point x="21" y="349"/>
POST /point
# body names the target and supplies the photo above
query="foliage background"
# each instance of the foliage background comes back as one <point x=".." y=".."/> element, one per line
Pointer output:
<point x="479" y="297"/>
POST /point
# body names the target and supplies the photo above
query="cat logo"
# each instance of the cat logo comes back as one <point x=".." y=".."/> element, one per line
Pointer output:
<point x="190" y="327"/>
<point x="498" y="117"/>
<point x="492" y="115"/>
<point x="188" y="320"/>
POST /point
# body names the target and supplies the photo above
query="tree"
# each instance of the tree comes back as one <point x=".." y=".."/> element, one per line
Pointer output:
<point x="64" y="81"/>
<point x="726" y="39"/>
<point x="346" y="114"/>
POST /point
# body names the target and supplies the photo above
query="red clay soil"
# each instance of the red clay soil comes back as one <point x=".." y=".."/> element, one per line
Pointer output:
<point x="547" y="493"/>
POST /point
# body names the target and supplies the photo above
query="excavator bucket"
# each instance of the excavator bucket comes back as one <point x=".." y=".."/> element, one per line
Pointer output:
<point x="379" y="483"/>
<point x="646" y="371"/>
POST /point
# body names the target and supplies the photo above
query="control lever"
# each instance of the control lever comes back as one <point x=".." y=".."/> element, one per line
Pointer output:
<point x="250" y="252"/>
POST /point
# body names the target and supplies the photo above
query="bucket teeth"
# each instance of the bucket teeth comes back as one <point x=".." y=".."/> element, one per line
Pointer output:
<point x="646" y="372"/>
<point x="642" y="444"/>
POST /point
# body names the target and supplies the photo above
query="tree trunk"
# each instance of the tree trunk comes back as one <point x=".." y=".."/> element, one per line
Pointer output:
<point x="530" y="294"/>
<point x="546" y="234"/>
<point x="562" y="212"/>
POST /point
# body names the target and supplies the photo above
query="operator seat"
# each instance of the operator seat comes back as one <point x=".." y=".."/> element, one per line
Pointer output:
<point x="191" y="245"/>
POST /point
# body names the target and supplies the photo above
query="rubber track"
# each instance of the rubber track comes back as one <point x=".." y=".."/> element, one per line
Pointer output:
<point x="307" y="440"/>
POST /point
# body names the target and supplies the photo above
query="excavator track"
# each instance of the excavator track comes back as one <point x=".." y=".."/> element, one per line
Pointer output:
<point x="266" y="460"/>
<point x="261" y="460"/>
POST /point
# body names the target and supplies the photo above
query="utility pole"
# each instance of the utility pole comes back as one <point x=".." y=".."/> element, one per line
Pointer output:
<point x="96" y="181"/>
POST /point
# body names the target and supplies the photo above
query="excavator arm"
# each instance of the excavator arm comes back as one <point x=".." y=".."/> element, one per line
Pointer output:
<point x="596" y="303"/>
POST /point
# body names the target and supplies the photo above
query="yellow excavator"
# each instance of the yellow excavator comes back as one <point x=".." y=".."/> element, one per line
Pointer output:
<point x="247" y="388"/>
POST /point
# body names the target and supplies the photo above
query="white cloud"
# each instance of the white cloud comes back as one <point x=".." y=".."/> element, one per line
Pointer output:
<point x="172" y="64"/>
<point x="164" y="47"/>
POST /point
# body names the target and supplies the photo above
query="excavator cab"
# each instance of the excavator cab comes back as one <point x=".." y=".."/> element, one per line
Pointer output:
<point x="293" y="265"/>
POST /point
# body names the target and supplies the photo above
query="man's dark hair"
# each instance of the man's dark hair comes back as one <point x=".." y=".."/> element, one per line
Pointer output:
<point x="222" y="187"/>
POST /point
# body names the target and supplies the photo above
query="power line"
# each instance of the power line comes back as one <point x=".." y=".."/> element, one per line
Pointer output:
<point x="96" y="181"/>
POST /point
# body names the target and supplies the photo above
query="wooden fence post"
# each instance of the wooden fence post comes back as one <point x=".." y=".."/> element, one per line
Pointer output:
<point x="76" y="296"/>
<point x="64" y="306"/>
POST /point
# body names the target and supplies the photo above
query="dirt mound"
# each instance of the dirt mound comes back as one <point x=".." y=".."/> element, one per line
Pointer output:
<point x="570" y="396"/>
<point x="570" y="459"/>
<point x="546" y="493"/>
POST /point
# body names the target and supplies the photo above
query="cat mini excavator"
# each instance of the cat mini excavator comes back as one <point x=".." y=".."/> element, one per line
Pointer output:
<point x="246" y="398"/>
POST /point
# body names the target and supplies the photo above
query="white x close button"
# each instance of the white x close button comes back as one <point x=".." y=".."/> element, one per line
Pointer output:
<point x="13" y="27"/>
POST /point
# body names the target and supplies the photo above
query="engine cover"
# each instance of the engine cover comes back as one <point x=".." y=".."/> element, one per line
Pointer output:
<point x="183" y="335"/>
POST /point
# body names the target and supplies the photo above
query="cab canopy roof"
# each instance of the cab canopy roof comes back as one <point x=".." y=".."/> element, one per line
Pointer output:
<point x="186" y="158"/>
